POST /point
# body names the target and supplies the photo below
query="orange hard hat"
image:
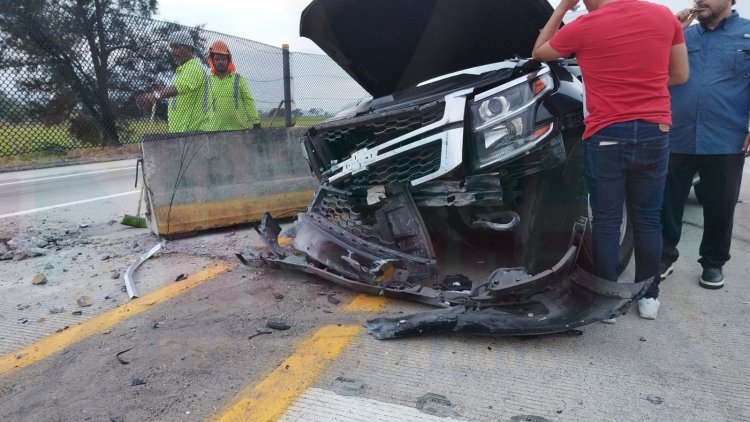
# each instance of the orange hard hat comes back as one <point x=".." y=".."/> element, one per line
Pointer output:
<point x="219" y="47"/>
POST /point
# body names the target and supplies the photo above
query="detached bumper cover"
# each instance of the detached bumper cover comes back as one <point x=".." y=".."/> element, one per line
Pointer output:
<point x="579" y="299"/>
<point x="384" y="249"/>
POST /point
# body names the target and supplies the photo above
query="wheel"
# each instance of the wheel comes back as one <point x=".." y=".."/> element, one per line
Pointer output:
<point x="552" y="202"/>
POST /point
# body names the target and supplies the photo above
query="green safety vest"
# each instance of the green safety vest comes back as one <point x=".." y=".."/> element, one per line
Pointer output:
<point x="231" y="104"/>
<point x="188" y="110"/>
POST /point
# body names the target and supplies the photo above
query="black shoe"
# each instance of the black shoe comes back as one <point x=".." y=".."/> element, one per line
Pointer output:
<point x="712" y="278"/>
<point x="665" y="270"/>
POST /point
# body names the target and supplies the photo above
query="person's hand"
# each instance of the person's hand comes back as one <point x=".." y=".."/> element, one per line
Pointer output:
<point x="686" y="17"/>
<point x="156" y="86"/>
<point x="145" y="101"/>
<point x="746" y="145"/>
<point x="567" y="4"/>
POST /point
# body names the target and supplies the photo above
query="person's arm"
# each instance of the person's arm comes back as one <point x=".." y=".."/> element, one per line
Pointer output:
<point x="158" y="92"/>
<point x="746" y="145"/>
<point x="166" y="92"/>
<point x="248" y="104"/>
<point x="542" y="48"/>
<point x="679" y="69"/>
<point x="685" y="17"/>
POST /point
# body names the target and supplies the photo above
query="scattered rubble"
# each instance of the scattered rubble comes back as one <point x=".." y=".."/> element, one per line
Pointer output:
<point x="258" y="332"/>
<point x="84" y="301"/>
<point x="348" y="386"/>
<point x="436" y="405"/>
<point x="278" y="324"/>
<point x="654" y="399"/>
<point x="333" y="299"/>
<point x="39" y="279"/>
<point x="120" y="359"/>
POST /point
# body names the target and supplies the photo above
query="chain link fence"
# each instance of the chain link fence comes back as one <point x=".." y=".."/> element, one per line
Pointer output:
<point x="74" y="81"/>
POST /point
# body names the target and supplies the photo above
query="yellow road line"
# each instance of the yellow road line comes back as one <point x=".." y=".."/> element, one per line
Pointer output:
<point x="268" y="399"/>
<point x="366" y="303"/>
<point x="56" y="342"/>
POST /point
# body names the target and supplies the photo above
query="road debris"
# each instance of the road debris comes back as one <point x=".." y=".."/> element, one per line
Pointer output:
<point x="654" y="399"/>
<point x="642" y="338"/>
<point x="137" y="381"/>
<point x="348" y="386"/>
<point x="121" y="360"/>
<point x="258" y="332"/>
<point x="528" y="418"/>
<point x="181" y="277"/>
<point x="333" y="299"/>
<point x="84" y="301"/>
<point x="39" y="279"/>
<point x="129" y="286"/>
<point x="77" y="312"/>
<point x="278" y="324"/>
<point x="115" y="275"/>
<point x="278" y="295"/>
<point x="56" y="310"/>
<point x="435" y="404"/>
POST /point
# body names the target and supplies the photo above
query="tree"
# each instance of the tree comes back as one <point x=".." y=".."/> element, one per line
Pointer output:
<point x="84" y="60"/>
<point x="11" y="110"/>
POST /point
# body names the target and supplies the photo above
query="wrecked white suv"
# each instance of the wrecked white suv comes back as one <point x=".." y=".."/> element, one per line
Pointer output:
<point x="464" y="143"/>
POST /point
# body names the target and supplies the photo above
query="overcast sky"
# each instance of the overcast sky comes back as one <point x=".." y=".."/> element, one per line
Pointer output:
<point x="276" y="22"/>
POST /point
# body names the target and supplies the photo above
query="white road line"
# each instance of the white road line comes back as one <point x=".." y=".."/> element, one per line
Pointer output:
<point x="67" y="204"/>
<point x="65" y="176"/>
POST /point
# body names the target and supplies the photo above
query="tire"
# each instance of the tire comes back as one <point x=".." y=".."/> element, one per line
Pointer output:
<point x="553" y="201"/>
<point x="627" y="244"/>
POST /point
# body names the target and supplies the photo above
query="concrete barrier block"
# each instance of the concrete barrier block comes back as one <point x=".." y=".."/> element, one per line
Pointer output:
<point x="217" y="179"/>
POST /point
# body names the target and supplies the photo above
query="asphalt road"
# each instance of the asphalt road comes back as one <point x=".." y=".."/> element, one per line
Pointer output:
<point x="193" y="351"/>
<point x="90" y="188"/>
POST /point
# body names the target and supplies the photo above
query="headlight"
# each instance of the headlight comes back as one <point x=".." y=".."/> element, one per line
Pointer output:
<point x="503" y="119"/>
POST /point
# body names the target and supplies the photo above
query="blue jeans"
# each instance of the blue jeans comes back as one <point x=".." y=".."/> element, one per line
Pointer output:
<point x="627" y="162"/>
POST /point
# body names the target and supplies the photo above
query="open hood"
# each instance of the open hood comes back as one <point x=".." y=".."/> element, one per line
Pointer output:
<point x="389" y="45"/>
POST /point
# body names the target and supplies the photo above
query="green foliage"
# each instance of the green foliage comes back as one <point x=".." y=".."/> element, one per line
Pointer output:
<point x="83" y="61"/>
<point x="11" y="110"/>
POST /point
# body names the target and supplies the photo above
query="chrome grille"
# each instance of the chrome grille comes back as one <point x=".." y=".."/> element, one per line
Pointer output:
<point x="343" y="141"/>
<point x="410" y="165"/>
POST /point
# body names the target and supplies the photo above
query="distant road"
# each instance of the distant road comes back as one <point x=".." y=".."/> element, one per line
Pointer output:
<point x="89" y="191"/>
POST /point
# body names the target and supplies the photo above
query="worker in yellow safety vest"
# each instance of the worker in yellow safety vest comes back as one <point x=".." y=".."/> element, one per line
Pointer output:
<point x="187" y="96"/>
<point x="230" y="103"/>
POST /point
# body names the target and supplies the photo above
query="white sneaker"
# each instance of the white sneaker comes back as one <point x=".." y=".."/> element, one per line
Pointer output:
<point x="609" y="320"/>
<point x="648" y="307"/>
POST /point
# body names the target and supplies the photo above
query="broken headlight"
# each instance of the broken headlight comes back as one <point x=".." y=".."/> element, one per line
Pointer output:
<point x="504" y="119"/>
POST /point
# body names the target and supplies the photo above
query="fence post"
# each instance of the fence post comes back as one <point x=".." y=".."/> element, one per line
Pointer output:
<point x="287" y="85"/>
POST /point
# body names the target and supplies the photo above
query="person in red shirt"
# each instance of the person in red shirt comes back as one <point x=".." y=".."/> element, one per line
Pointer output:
<point x="628" y="52"/>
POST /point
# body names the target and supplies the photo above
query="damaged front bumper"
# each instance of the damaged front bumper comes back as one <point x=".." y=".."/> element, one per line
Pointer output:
<point x="380" y="246"/>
